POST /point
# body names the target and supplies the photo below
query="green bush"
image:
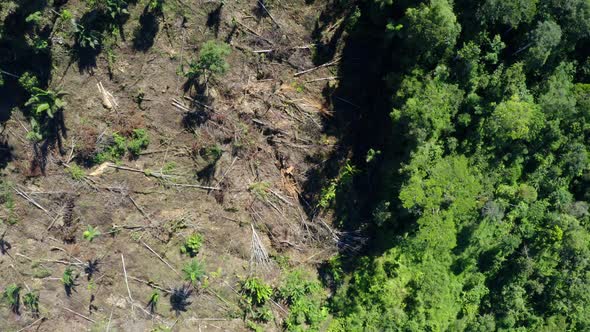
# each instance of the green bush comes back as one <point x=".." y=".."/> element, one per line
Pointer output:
<point x="90" y="233"/>
<point x="31" y="301"/>
<point x="45" y="102"/>
<point x="76" y="172"/>
<point x="12" y="296"/>
<point x="192" y="245"/>
<point x="113" y="152"/>
<point x="28" y="81"/>
<point x="256" y="291"/>
<point x="68" y="279"/>
<point x="306" y="302"/>
<point x="87" y="37"/>
<point x="139" y="141"/>
<point x="211" y="62"/>
<point x="194" y="271"/>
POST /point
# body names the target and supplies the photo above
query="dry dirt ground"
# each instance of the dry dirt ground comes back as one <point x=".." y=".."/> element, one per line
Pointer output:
<point x="268" y="124"/>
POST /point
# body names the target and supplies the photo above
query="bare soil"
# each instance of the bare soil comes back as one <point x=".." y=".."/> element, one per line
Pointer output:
<point x="267" y="122"/>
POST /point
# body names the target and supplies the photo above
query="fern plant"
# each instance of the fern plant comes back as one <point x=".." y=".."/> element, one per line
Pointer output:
<point x="194" y="271"/>
<point x="256" y="291"/>
<point x="31" y="301"/>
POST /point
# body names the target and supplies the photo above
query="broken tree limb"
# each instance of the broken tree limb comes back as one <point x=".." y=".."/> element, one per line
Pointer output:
<point x="30" y="200"/>
<point x="261" y="4"/>
<point x="126" y="282"/>
<point x="188" y="185"/>
<point x="33" y="323"/>
<point x="323" y="79"/>
<point x="199" y="103"/>
<point x="160" y="258"/>
<point x="151" y="284"/>
<point x="327" y="64"/>
<point x="9" y="74"/>
<point x="268" y="50"/>
<point x="248" y="29"/>
<point x="80" y="315"/>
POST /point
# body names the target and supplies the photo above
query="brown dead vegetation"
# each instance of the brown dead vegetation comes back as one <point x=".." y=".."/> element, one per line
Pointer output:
<point x="247" y="202"/>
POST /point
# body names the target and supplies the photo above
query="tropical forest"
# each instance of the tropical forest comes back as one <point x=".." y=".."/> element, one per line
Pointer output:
<point x="295" y="165"/>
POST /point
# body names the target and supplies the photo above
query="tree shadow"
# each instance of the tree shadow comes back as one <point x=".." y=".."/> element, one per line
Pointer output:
<point x="145" y="34"/>
<point x="53" y="130"/>
<point x="214" y="19"/>
<point x="18" y="56"/>
<point x="69" y="288"/>
<point x="360" y="121"/>
<point x="4" y="244"/>
<point x="179" y="299"/>
<point x="88" y="40"/>
<point x="91" y="268"/>
<point x="5" y="152"/>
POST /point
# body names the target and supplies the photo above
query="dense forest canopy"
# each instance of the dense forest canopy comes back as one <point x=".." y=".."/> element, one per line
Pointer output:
<point x="485" y="198"/>
<point x="467" y="174"/>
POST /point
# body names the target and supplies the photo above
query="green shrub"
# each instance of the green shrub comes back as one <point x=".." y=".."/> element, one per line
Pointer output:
<point x="68" y="279"/>
<point x="305" y="299"/>
<point x="260" y="189"/>
<point x="192" y="245"/>
<point x="87" y="37"/>
<point x="90" y="233"/>
<point x="28" y="81"/>
<point x="12" y="296"/>
<point x="31" y="301"/>
<point x="76" y="172"/>
<point x="114" y="151"/>
<point x="116" y="8"/>
<point x="153" y="302"/>
<point x="45" y="102"/>
<point x="66" y="15"/>
<point x="213" y="153"/>
<point x="34" y="17"/>
<point x="139" y="141"/>
<point x="211" y="62"/>
<point x="255" y="291"/>
<point x="156" y="5"/>
<point x="194" y="271"/>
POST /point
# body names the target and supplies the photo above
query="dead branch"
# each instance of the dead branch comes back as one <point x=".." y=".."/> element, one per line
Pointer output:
<point x="327" y="64"/>
<point x="30" y="200"/>
<point x="188" y="185"/>
<point x="108" y="100"/>
<point x="140" y="209"/>
<point x="33" y="323"/>
<point x="126" y="282"/>
<point x="261" y="4"/>
<point x="80" y="315"/>
<point x="259" y="254"/>
<point x="269" y="50"/>
<point x="151" y="284"/>
<point x="323" y="79"/>
<point x="199" y="103"/>
<point x="280" y="197"/>
<point x="160" y="258"/>
<point x="248" y="29"/>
